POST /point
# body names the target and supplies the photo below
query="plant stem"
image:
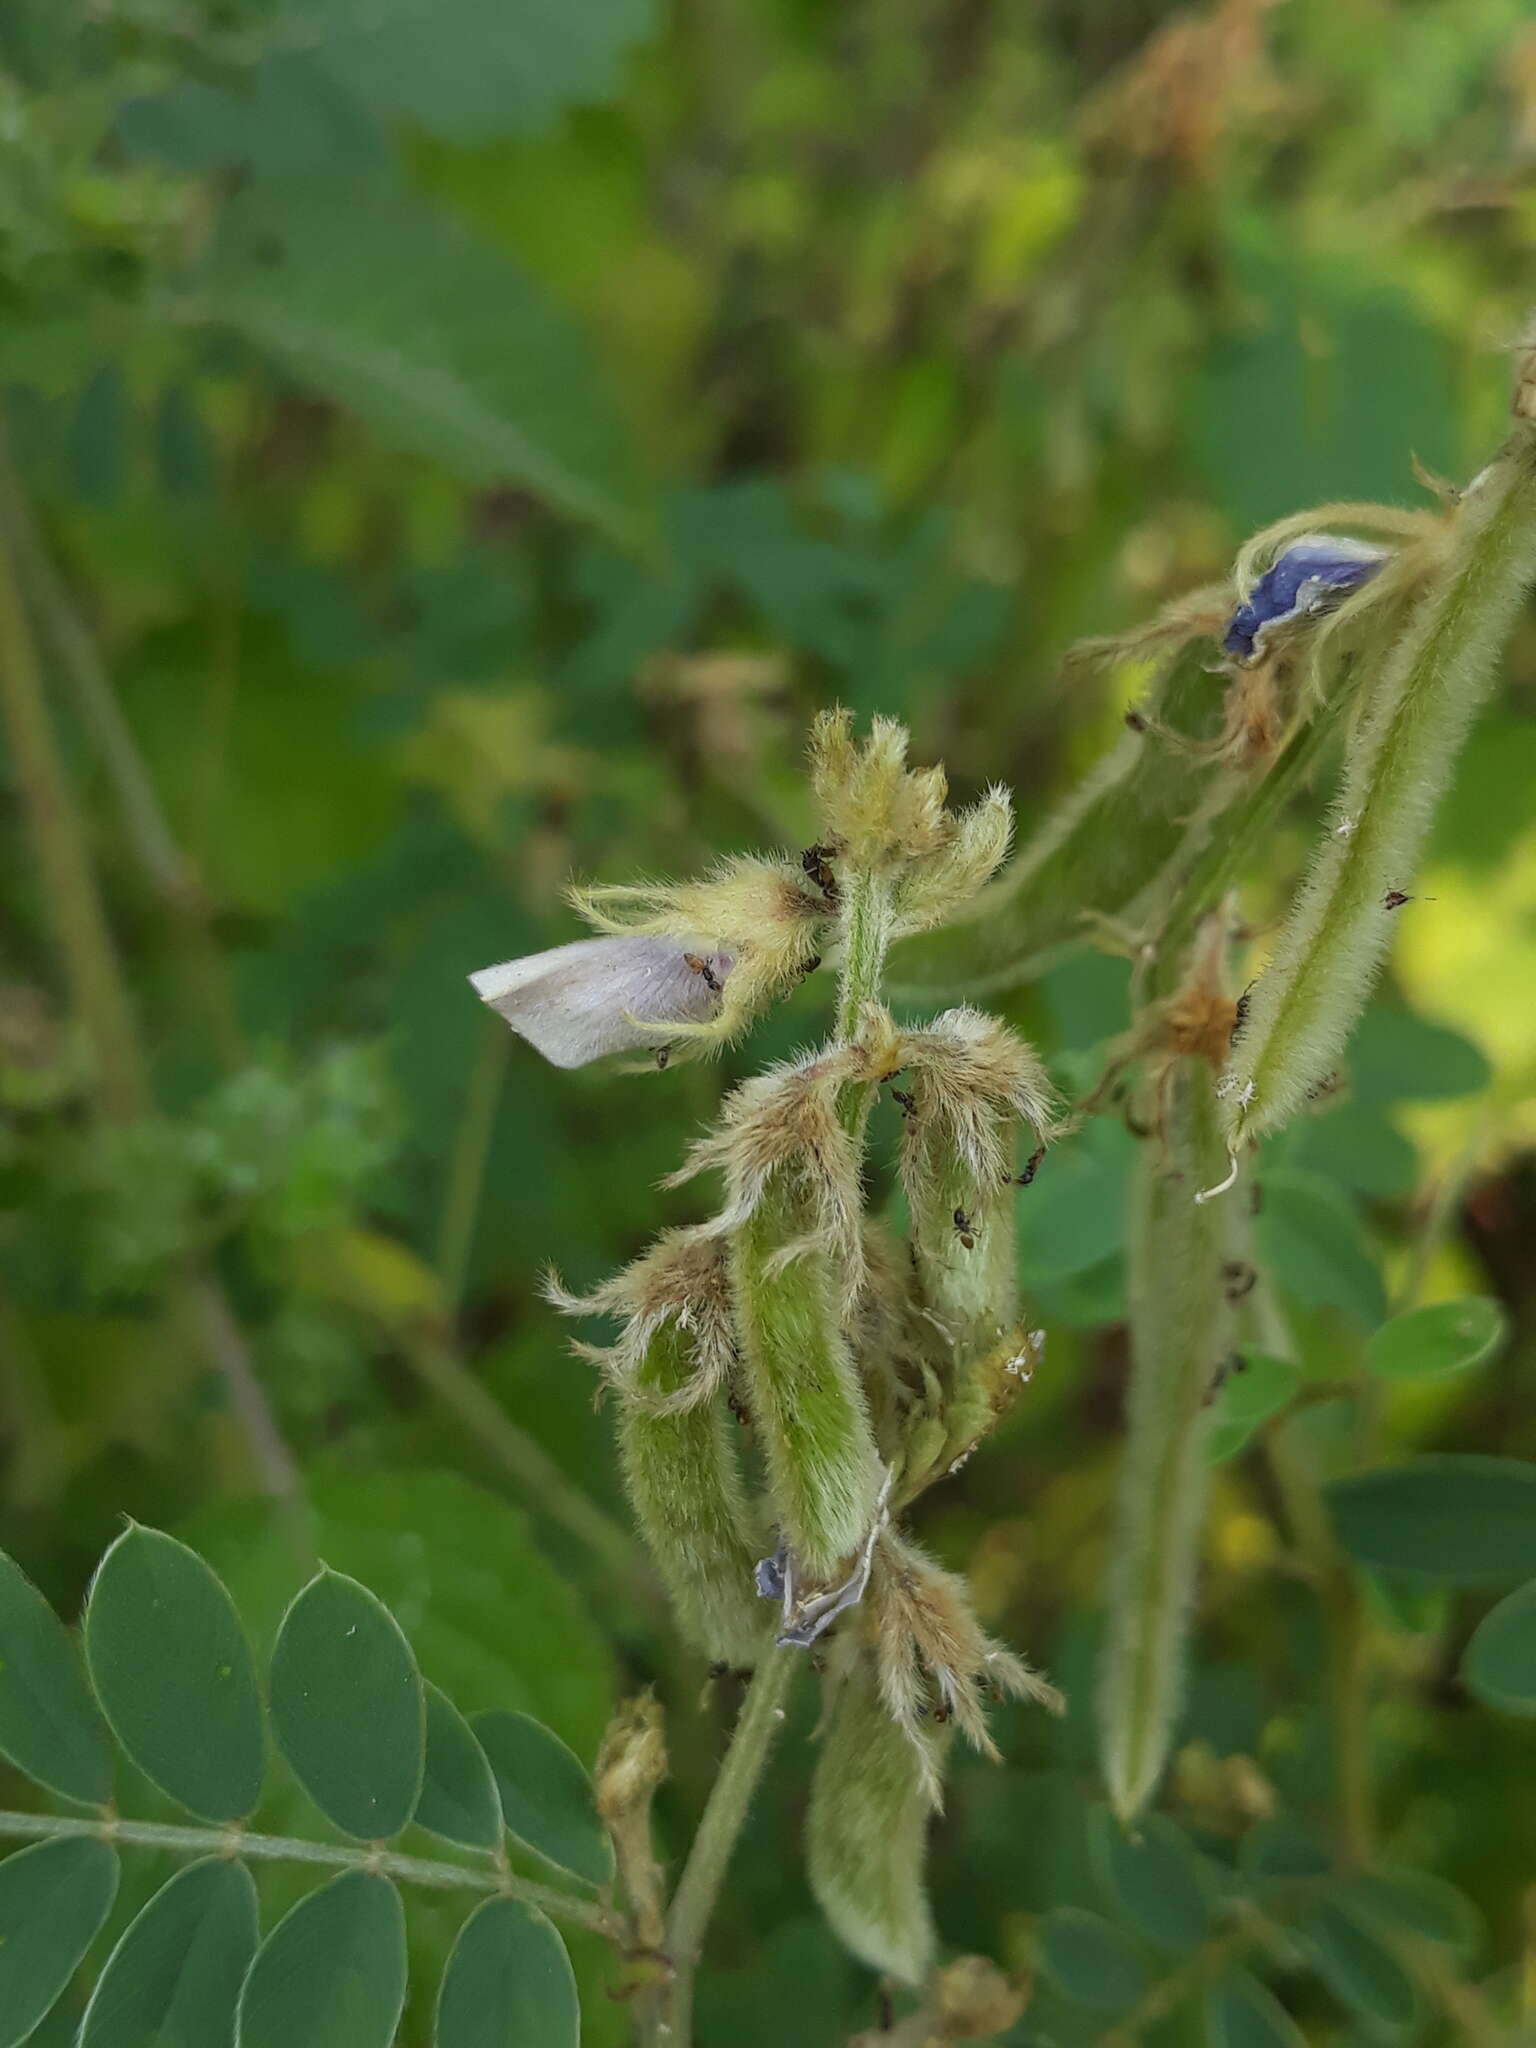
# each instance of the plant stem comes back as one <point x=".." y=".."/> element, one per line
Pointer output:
<point x="148" y="1834"/>
<point x="1348" y="1651"/>
<point x="466" y="1168"/>
<point x="63" y="857"/>
<point x="164" y="864"/>
<point x="699" y="1887"/>
<point x="226" y="1345"/>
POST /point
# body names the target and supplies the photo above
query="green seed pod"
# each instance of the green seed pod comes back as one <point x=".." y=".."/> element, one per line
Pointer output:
<point x="1416" y="716"/>
<point x="671" y="1372"/>
<point x="867" y="1833"/>
<point x="1181" y="1323"/>
<point x="807" y="1405"/>
<point x="685" y="1485"/>
<point x="973" y="1083"/>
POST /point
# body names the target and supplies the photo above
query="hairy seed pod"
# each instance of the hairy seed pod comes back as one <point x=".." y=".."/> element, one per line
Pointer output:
<point x="807" y="1404"/>
<point x="1181" y="1323"/>
<point x="974" y="1082"/>
<point x="685" y="1485"/>
<point x="867" y="1833"/>
<point x="1395" y="773"/>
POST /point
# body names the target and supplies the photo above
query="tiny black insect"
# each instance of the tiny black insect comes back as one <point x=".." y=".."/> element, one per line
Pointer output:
<point x="701" y="966"/>
<point x="1240" y="1012"/>
<point x="963" y="1230"/>
<point x="1239" y="1279"/>
<point x="1031" y="1168"/>
<point x="908" y="1102"/>
<point x="663" y="1054"/>
<point x="1135" y="721"/>
<point x="1235" y="1362"/>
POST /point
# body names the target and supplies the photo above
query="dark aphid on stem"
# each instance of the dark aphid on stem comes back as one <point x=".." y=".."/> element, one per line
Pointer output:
<point x="1235" y="1362"/>
<point x="1396" y="898"/>
<point x="962" y="1224"/>
<point x="663" y="1054"/>
<point x="1240" y="1014"/>
<point x="1135" y="721"/>
<point x="1031" y="1168"/>
<point x="1239" y="1278"/>
<point x="905" y="1101"/>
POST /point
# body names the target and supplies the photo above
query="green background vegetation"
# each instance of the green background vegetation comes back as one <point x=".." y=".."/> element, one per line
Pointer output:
<point x="467" y="454"/>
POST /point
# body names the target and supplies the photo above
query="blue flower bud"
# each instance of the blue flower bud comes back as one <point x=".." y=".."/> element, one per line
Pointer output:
<point x="1313" y="570"/>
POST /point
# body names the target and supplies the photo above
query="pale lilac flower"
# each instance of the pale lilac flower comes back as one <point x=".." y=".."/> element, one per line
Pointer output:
<point x="580" y="1002"/>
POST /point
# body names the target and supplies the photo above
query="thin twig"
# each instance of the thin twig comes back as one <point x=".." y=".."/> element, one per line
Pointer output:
<point x="226" y="1344"/>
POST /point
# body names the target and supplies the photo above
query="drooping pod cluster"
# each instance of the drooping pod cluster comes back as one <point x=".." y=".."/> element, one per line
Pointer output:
<point x="849" y="1370"/>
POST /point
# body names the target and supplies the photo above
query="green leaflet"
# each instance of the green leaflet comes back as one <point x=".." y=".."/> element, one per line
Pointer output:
<point x="546" y="1795"/>
<point x="174" y="1978"/>
<point x="459" y="1800"/>
<point x="1181" y="1333"/>
<point x="347" y="1707"/>
<point x="53" y="1899"/>
<point x="49" y="1724"/>
<point x="173" y="1671"/>
<point x="332" y="1972"/>
<point x="1446" y="1336"/>
<point x="1466" y="1519"/>
<point x="382" y="303"/>
<point x="1500" y="1661"/>
<point x="866" y="1834"/>
<point x="508" y="1983"/>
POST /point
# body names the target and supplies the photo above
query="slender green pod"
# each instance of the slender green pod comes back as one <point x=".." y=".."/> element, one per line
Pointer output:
<point x="685" y="1485"/>
<point x="1181" y="1325"/>
<point x="867" y="1832"/>
<point x="1416" y="717"/>
<point x="802" y="1386"/>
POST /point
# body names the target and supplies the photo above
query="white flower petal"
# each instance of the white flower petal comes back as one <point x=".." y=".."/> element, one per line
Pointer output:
<point x="580" y="1002"/>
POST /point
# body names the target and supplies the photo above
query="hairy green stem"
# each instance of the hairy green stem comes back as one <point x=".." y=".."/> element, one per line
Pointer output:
<point x="1395" y="772"/>
<point x="752" y="1739"/>
<point x="148" y="1834"/>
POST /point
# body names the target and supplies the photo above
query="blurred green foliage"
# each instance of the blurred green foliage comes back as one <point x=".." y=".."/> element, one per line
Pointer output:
<point x="451" y="449"/>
